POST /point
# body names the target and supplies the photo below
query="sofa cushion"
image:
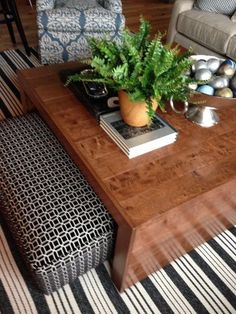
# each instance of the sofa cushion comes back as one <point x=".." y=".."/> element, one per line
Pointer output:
<point x="95" y="20"/>
<point x="208" y="29"/>
<point x="217" y="6"/>
<point x="71" y="20"/>
<point x="77" y="4"/>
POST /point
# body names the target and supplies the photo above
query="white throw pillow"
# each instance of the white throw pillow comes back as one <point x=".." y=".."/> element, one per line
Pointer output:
<point x="226" y="7"/>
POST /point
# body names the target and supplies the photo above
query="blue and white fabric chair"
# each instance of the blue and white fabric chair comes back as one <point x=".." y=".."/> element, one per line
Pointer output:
<point x="65" y="25"/>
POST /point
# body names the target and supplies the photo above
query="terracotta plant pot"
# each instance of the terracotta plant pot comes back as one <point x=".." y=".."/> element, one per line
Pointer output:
<point x="134" y="113"/>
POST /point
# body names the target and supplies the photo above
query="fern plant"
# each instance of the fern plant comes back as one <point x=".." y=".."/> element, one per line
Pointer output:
<point x="146" y="69"/>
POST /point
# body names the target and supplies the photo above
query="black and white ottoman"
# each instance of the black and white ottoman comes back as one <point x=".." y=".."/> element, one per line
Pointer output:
<point x="61" y="227"/>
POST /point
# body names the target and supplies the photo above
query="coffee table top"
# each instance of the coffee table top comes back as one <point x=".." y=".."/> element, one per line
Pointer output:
<point x="199" y="169"/>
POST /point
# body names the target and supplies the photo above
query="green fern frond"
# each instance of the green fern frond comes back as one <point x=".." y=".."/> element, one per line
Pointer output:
<point x="145" y="68"/>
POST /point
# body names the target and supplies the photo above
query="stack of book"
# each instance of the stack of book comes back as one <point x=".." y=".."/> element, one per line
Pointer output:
<point x="135" y="141"/>
<point x="132" y="141"/>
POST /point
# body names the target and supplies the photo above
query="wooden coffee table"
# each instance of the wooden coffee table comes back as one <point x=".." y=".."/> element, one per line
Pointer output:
<point x="165" y="202"/>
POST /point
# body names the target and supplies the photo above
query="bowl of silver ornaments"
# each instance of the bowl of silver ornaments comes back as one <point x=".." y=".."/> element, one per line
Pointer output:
<point x="218" y="76"/>
<point x="216" y="90"/>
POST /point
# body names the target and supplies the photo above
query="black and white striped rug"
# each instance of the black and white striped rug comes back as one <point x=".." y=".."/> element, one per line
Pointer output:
<point x="203" y="281"/>
<point x="10" y="61"/>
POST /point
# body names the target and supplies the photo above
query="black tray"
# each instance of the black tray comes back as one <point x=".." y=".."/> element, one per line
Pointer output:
<point x="95" y="106"/>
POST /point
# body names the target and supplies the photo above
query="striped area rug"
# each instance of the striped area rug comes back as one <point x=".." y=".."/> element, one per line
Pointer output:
<point x="202" y="281"/>
<point x="10" y="61"/>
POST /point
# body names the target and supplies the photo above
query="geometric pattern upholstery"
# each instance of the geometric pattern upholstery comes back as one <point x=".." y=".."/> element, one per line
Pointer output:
<point x="64" y="27"/>
<point x="226" y="7"/>
<point x="60" y="225"/>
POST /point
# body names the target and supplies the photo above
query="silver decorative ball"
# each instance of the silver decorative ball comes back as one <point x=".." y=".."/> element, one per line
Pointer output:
<point x="188" y="72"/>
<point x="230" y="62"/>
<point x="234" y="92"/>
<point x="213" y="64"/>
<point x="224" y="92"/>
<point x="206" y="89"/>
<point x="219" y="82"/>
<point x="200" y="64"/>
<point x="233" y="82"/>
<point x="203" y="75"/>
<point x="193" y="86"/>
<point x="226" y="69"/>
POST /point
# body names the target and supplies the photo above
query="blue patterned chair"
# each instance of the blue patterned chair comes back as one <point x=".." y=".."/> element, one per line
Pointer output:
<point x="65" y="25"/>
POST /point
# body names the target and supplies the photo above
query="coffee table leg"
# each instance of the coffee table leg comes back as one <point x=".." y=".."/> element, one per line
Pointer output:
<point x="27" y="105"/>
<point x="121" y="260"/>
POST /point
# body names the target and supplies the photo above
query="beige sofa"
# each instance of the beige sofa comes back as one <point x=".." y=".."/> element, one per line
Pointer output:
<point x="207" y="33"/>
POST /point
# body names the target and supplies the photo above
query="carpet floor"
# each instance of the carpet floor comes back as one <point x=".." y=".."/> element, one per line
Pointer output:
<point x="202" y="281"/>
<point x="10" y="61"/>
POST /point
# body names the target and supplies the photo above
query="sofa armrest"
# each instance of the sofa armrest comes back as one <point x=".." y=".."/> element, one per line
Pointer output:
<point x="179" y="7"/>
<point x="42" y="5"/>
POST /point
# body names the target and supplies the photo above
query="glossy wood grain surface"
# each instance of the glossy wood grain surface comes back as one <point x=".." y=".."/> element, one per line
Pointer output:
<point x="165" y="202"/>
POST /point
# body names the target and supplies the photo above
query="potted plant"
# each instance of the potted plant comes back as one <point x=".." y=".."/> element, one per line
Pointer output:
<point x="145" y="72"/>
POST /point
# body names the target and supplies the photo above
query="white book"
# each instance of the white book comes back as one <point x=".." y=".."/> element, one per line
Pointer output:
<point x="137" y="141"/>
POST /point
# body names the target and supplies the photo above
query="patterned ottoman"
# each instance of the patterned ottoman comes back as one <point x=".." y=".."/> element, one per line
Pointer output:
<point x="61" y="227"/>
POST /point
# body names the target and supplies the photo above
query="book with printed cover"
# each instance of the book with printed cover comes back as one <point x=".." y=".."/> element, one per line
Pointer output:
<point x="135" y="141"/>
